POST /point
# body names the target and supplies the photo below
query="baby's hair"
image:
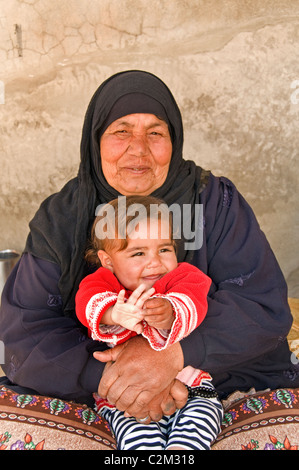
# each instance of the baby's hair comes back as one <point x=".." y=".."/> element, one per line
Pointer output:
<point x="111" y="227"/>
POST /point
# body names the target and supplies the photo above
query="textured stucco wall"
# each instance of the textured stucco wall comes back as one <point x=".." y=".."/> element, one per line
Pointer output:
<point x="232" y="66"/>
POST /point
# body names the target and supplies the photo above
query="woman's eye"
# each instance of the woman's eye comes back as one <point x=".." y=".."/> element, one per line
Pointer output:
<point x="122" y="133"/>
<point x="155" y="133"/>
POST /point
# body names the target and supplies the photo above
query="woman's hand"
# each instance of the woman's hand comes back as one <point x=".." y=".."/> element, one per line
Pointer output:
<point x="140" y="380"/>
<point x="173" y="397"/>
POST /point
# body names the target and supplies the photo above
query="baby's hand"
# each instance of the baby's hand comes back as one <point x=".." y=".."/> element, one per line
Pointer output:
<point x="158" y="313"/>
<point x="129" y="314"/>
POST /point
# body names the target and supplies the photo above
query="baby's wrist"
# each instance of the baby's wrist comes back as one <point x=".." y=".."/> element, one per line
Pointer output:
<point x="114" y="315"/>
<point x="108" y="318"/>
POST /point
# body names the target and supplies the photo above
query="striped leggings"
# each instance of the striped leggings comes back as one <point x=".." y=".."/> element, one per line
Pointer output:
<point x="194" y="427"/>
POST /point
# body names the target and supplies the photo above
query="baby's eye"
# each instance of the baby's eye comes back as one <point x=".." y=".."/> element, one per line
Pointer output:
<point x="138" y="253"/>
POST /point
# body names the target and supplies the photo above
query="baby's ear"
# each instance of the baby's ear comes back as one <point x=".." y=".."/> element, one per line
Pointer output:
<point x="106" y="260"/>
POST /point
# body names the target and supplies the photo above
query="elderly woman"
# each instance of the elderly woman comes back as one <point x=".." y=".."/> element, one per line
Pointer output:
<point x="132" y="143"/>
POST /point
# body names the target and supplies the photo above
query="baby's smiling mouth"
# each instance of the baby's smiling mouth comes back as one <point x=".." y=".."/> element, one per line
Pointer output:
<point x="152" y="277"/>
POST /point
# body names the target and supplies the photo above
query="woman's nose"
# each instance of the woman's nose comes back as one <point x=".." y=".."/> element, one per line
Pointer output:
<point x="138" y="145"/>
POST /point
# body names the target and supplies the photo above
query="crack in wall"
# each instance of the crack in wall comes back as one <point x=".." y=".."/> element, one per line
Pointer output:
<point x="230" y="69"/>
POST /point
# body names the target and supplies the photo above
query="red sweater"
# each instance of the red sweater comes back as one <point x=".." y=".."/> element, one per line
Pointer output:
<point x="186" y="288"/>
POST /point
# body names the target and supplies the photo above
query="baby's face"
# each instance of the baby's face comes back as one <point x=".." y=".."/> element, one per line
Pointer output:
<point x="150" y="254"/>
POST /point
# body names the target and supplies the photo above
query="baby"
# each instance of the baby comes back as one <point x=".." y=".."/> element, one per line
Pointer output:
<point x="141" y="288"/>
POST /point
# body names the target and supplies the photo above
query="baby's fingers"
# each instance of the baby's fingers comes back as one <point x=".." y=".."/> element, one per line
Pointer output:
<point x="121" y="297"/>
<point x="145" y="296"/>
<point x="136" y="294"/>
<point x="140" y="295"/>
<point x="138" y="328"/>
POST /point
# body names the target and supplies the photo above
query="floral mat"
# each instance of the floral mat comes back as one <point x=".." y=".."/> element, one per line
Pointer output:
<point x="256" y="421"/>
<point x="261" y="421"/>
<point x="30" y="422"/>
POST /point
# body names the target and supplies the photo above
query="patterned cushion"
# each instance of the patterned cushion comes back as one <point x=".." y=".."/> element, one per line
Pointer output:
<point x="44" y="423"/>
<point x="257" y="421"/>
<point x="261" y="421"/>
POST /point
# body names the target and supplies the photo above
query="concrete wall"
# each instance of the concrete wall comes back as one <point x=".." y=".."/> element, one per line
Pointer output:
<point x="232" y="65"/>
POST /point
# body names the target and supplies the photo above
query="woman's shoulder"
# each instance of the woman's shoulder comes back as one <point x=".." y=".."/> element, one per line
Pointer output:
<point x="220" y="194"/>
<point x="53" y="220"/>
<point x="62" y="198"/>
<point x="218" y="185"/>
<point x="58" y="210"/>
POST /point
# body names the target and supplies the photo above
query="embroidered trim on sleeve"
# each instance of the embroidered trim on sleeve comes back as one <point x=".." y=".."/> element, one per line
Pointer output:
<point x="185" y="321"/>
<point x="94" y="311"/>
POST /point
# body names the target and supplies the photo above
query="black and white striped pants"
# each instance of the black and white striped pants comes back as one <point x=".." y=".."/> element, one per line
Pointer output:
<point x="194" y="427"/>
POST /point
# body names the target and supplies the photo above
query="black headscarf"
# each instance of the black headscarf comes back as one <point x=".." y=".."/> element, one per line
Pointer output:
<point x="61" y="227"/>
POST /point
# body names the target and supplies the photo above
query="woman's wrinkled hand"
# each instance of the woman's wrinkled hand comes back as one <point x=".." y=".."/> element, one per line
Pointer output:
<point x="141" y="381"/>
<point x="173" y="397"/>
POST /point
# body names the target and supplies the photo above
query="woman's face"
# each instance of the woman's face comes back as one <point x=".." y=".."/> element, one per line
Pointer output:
<point x="135" y="154"/>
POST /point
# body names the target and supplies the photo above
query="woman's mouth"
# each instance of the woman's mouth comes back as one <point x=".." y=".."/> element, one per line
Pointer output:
<point x="138" y="170"/>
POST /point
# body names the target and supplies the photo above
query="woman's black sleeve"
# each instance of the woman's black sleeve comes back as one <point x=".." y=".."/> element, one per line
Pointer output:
<point x="44" y="350"/>
<point x="248" y="313"/>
